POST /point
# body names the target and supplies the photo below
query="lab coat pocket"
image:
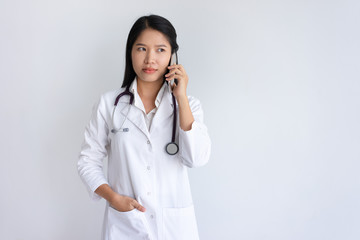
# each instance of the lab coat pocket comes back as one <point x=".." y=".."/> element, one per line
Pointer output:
<point x="179" y="224"/>
<point x="126" y="225"/>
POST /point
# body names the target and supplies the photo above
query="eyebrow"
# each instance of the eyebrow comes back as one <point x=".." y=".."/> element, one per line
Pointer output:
<point x="160" y="45"/>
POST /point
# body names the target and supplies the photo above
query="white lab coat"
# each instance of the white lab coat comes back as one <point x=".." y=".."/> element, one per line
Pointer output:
<point x="139" y="167"/>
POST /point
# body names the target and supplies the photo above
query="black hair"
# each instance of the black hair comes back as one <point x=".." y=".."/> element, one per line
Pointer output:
<point x="155" y="22"/>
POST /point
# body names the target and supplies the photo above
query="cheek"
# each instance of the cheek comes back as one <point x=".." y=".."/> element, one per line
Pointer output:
<point x="164" y="64"/>
<point x="135" y="62"/>
<point x="163" y="69"/>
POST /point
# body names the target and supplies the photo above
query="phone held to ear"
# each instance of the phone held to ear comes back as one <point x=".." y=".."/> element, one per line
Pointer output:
<point x="173" y="60"/>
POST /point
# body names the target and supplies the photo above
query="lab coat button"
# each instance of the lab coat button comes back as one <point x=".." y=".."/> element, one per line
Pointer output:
<point x="151" y="216"/>
<point x="148" y="142"/>
<point x="149" y="193"/>
<point x="148" y="168"/>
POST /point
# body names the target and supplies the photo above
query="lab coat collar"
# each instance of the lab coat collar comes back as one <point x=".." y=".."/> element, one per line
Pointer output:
<point x="137" y="100"/>
<point x="133" y="88"/>
<point x="164" y="111"/>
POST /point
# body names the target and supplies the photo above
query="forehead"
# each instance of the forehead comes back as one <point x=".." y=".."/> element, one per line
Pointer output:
<point x="152" y="37"/>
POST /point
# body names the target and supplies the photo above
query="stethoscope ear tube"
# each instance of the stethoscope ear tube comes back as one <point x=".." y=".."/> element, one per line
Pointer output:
<point x="114" y="130"/>
<point x="126" y="92"/>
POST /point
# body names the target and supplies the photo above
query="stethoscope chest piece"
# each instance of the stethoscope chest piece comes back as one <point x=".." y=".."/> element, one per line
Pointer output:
<point x="172" y="148"/>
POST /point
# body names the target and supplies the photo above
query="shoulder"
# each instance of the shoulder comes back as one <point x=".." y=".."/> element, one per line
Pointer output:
<point x="109" y="97"/>
<point x="112" y="93"/>
<point x="105" y="101"/>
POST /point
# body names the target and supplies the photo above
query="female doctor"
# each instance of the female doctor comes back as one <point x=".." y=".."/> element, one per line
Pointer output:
<point x="150" y="140"/>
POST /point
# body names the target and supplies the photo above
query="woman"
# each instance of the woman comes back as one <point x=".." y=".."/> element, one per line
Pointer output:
<point x="147" y="190"/>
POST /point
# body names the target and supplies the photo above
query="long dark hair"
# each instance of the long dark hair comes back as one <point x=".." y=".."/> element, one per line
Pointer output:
<point x="155" y="22"/>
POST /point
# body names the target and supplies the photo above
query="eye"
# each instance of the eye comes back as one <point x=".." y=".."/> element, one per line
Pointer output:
<point x="141" y="49"/>
<point x="161" y="50"/>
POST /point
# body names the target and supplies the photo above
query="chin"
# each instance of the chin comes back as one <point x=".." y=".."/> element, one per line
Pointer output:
<point x="151" y="78"/>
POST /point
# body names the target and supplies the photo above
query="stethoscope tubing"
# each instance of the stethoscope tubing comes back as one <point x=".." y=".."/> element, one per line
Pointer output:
<point x="171" y="148"/>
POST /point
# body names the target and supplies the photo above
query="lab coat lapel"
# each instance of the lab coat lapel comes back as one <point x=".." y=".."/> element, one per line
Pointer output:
<point x="135" y="116"/>
<point x="164" y="112"/>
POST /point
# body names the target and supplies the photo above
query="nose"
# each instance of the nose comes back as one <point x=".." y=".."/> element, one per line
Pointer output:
<point x="150" y="57"/>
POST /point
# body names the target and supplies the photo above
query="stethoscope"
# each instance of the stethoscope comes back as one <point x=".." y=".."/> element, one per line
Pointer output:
<point x="171" y="148"/>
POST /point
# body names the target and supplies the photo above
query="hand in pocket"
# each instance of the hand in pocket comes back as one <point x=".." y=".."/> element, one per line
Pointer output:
<point x="125" y="203"/>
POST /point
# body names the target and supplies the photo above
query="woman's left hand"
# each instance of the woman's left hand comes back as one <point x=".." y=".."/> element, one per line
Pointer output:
<point x="178" y="72"/>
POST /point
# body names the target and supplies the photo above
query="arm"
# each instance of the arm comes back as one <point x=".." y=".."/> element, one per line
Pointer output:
<point x="90" y="164"/>
<point x="194" y="141"/>
<point x="185" y="114"/>
<point x="195" y="144"/>
<point x="93" y="151"/>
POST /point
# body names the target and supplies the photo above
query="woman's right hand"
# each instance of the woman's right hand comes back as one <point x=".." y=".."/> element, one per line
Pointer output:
<point x="125" y="203"/>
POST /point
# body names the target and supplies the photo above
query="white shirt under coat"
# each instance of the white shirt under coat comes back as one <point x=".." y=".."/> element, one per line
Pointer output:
<point x="139" y="104"/>
<point x="139" y="167"/>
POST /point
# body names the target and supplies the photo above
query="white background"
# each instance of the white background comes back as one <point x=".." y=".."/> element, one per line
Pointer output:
<point x="279" y="84"/>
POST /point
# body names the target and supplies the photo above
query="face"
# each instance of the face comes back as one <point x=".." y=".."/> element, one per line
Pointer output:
<point x="150" y="55"/>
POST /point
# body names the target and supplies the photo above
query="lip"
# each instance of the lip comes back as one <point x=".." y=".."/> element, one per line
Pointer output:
<point x="149" y="70"/>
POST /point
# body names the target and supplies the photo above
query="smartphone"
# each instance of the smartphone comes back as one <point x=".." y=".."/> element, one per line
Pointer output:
<point x="173" y="60"/>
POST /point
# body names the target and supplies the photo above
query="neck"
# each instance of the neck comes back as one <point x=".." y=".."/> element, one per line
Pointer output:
<point x="148" y="90"/>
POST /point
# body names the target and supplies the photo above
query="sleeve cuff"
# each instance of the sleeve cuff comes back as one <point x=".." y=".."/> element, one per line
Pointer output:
<point x="93" y="195"/>
<point x="194" y="145"/>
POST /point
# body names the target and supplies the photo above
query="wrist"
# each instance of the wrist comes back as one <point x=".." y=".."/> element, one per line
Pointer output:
<point x="114" y="197"/>
<point x="182" y="99"/>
